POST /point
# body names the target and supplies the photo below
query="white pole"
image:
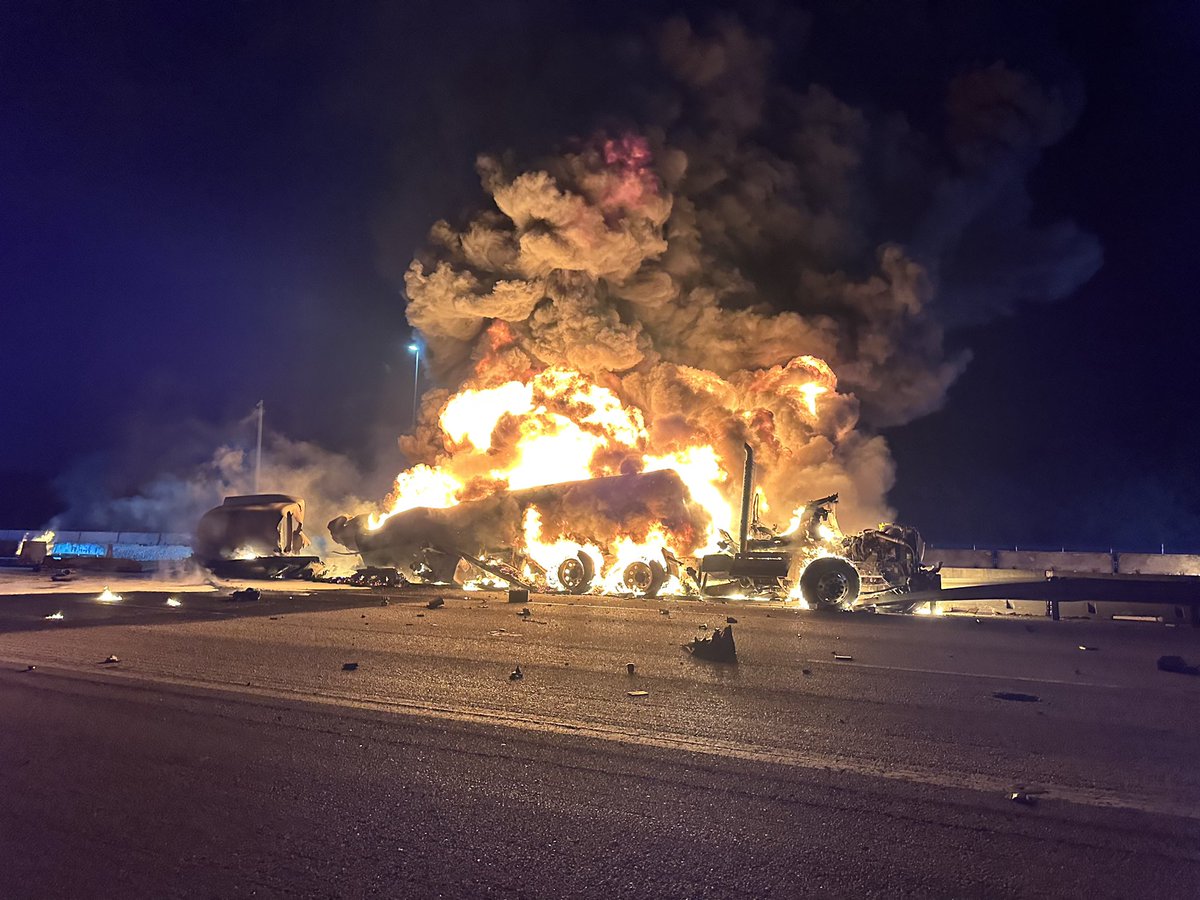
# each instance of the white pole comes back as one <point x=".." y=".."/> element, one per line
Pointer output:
<point x="258" y="451"/>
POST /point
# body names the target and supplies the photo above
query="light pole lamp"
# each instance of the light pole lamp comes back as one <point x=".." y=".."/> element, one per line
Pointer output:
<point x="415" y="349"/>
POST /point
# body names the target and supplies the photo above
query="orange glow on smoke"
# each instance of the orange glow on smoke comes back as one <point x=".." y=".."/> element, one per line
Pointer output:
<point x="557" y="426"/>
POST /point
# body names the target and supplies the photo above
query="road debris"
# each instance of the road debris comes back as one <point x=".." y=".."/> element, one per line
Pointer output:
<point x="384" y="602"/>
<point x="703" y="626"/>
<point x="349" y="666"/>
<point x="1086" y="647"/>
<point x="1017" y="697"/>
<point x="730" y="620"/>
<point x="518" y="595"/>
<point x="806" y="671"/>
<point x="718" y="647"/>
<point x="525" y="613"/>
<point x="630" y="668"/>
<point x="436" y="603"/>
<point x="63" y="575"/>
<point x="30" y="668"/>
<point x="420" y="615"/>
<point x="109" y="660"/>
<point x="516" y="674"/>
<point x="246" y="595"/>
<point x="842" y="657"/>
<point x="55" y="616"/>
<point x="173" y="602"/>
<point x="664" y="612"/>
<point x="637" y="693"/>
<point x="1178" y="665"/>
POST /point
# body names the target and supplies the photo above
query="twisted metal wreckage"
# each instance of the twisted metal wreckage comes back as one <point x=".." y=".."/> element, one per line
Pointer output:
<point x="815" y="561"/>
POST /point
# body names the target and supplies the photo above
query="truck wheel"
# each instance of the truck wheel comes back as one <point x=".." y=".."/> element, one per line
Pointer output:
<point x="643" y="579"/>
<point x="829" y="583"/>
<point x="575" y="573"/>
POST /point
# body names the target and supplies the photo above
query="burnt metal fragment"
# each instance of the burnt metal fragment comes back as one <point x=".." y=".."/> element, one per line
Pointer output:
<point x="1017" y="697"/>
<point x="717" y="647"/>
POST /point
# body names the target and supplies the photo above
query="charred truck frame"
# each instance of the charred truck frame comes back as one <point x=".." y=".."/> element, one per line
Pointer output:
<point x="814" y="561"/>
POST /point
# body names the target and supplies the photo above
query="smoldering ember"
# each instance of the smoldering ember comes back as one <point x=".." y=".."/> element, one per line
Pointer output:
<point x="546" y="451"/>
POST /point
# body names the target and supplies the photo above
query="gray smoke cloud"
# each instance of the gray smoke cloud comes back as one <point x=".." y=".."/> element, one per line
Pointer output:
<point x="328" y="483"/>
<point x="695" y="264"/>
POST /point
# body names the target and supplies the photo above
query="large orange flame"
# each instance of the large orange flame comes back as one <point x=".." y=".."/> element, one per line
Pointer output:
<point x="558" y="426"/>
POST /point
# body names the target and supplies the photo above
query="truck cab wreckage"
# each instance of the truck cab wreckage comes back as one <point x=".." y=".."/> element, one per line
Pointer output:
<point x="485" y="540"/>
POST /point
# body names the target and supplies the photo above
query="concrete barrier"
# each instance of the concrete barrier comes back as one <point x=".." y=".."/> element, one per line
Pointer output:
<point x="961" y="559"/>
<point x="1069" y="561"/>
<point x="1158" y="564"/>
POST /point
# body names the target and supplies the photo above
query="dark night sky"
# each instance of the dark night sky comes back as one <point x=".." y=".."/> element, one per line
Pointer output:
<point x="193" y="205"/>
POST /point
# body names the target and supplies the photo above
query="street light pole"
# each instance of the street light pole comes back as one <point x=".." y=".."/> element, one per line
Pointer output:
<point x="415" y="349"/>
<point x="258" y="449"/>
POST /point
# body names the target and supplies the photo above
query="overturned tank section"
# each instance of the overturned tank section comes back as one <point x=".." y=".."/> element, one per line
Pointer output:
<point x="430" y="545"/>
<point x="253" y="535"/>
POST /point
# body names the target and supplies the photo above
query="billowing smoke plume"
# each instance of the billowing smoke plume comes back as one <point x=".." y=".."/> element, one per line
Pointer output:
<point x="746" y="243"/>
<point x="327" y="482"/>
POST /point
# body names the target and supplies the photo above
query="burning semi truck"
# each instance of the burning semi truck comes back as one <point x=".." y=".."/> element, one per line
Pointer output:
<point x="497" y="540"/>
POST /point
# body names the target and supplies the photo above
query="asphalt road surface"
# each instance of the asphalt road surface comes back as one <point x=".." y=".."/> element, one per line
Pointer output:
<point x="228" y="753"/>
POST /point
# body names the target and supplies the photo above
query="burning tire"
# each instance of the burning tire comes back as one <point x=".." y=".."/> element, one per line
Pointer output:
<point x="643" y="579"/>
<point x="576" y="573"/>
<point x="829" y="583"/>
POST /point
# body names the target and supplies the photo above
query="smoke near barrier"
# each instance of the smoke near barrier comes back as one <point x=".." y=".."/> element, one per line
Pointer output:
<point x="705" y="259"/>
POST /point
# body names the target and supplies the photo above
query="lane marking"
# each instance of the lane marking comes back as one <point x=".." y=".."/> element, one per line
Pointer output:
<point x="1029" y="678"/>
<point x="661" y="740"/>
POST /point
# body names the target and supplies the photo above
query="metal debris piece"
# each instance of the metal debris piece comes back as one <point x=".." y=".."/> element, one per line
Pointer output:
<point x="717" y="647"/>
<point x="1085" y="647"/>
<point x="842" y="657"/>
<point x="637" y="693"/>
<point x="30" y="668"/>
<point x="1025" y="798"/>
<point x="55" y="616"/>
<point x="1017" y="697"/>
<point x="518" y="595"/>
<point x="349" y="667"/>
<point x="516" y="674"/>
<point x="703" y="626"/>
<point x="384" y="602"/>
<point x="63" y="575"/>
<point x="630" y="668"/>
<point x="420" y="615"/>
<point x="1178" y="665"/>
<point x="730" y="620"/>
<point x="525" y="613"/>
<point x="436" y="603"/>
<point x="110" y="659"/>
<point x="664" y="612"/>
<point x="246" y="595"/>
<point x="806" y="671"/>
